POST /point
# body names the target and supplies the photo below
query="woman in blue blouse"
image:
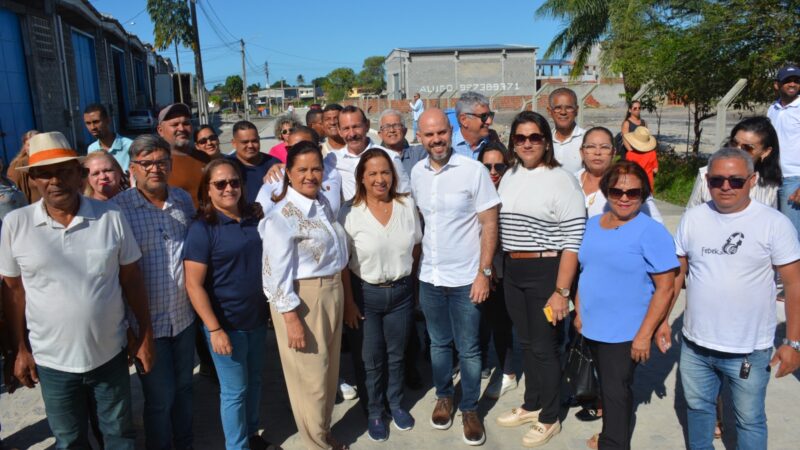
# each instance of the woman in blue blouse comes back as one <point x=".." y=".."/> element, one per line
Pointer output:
<point x="626" y="280"/>
<point x="222" y="262"/>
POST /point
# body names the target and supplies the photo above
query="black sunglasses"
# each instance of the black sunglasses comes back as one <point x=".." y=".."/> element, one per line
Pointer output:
<point x="222" y="184"/>
<point x="498" y="167"/>
<point x="535" y="138"/>
<point x="212" y="137"/>
<point x="484" y="117"/>
<point x="718" y="181"/>
<point x="632" y="194"/>
<point x="287" y="131"/>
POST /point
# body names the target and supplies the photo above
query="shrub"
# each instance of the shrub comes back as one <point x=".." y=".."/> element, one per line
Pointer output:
<point x="676" y="175"/>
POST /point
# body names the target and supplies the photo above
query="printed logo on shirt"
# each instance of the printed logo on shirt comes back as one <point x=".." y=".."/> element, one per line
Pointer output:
<point x="730" y="247"/>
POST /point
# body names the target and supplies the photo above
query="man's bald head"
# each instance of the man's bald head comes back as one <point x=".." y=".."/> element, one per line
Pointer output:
<point x="435" y="134"/>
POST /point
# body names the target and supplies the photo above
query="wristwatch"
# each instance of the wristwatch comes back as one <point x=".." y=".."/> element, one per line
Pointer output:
<point x="794" y="344"/>
<point x="487" y="272"/>
<point x="564" y="292"/>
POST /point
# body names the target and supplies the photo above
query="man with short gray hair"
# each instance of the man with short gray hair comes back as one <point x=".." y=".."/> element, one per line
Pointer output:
<point x="729" y="249"/>
<point x="567" y="135"/>
<point x="474" y="119"/>
<point x="160" y="216"/>
<point x="393" y="137"/>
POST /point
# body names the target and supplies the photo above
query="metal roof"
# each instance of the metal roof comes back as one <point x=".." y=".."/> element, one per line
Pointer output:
<point x="466" y="48"/>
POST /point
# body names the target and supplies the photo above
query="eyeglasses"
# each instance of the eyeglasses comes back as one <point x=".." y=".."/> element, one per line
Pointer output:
<point x="534" y="138"/>
<point x="632" y="194"/>
<point x="717" y="181"/>
<point x="484" y="117"/>
<point x="204" y="140"/>
<point x="498" y="167"/>
<point x="602" y="149"/>
<point x="287" y="131"/>
<point x="148" y="165"/>
<point x="220" y="185"/>
<point x="564" y="108"/>
<point x="392" y="126"/>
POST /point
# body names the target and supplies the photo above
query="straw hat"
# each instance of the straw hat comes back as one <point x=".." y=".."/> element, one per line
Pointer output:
<point x="49" y="148"/>
<point x="641" y="140"/>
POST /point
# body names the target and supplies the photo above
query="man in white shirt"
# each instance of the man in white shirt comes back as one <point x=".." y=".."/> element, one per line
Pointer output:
<point x="458" y="203"/>
<point x="730" y="248"/>
<point x="330" y="121"/>
<point x="67" y="261"/>
<point x="417" y="108"/>
<point x="353" y="128"/>
<point x="568" y="136"/>
<point x="785" y="117"/>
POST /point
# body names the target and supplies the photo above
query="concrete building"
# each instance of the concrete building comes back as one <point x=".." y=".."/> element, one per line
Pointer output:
<point x="58" y="56"/>
<point x="445" y="72"/>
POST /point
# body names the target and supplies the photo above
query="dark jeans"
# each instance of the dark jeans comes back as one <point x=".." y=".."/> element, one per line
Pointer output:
<point x="529" y="283"/>
<point x="353" y="340"/>
<point x="615" y="369"/>
<point x="452" y="318"/>
<point x="167" y="390"/>
<point x="65" y="404"/>
<point x="495" y="323"/>
<point x="387" y="312"/>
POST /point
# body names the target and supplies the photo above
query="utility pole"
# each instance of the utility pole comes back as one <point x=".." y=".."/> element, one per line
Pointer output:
<point x="180" y="80"/>
<point x="244" y="86"/>
<point x="266" y="72"/>
<point x="269" y="97"/>
<point x="202" y="103"/>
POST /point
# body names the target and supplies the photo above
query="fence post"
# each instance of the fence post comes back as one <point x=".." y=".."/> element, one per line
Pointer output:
<point x="722" y="109"/>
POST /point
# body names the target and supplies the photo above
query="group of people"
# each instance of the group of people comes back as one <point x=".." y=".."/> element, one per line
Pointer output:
<point x="142" y="246"/>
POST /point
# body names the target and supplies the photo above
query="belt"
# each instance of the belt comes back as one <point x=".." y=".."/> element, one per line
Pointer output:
<point x="389" y="284"/>
<point x="533" y="255"/>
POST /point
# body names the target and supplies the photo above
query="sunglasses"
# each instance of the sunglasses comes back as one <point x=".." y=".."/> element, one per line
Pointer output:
<point x="749" y="148"/>
<point x="220" y="185"/>
<point x="535" y="139"/>
<point x="287" y="131"/>
<point x="718" y="181"/>
<point x="498" y="167"/>
<point x="212" y="137"/>
<point x="632" y="194"/>
<point x="484" y="117"/>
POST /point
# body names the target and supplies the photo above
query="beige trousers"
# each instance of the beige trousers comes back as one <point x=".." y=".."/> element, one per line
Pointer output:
<point x="312" y="374"/>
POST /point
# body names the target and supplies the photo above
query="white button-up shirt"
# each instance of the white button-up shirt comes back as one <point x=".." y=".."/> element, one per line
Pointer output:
<point x="568" y="151"/>
<point x="73" y="300"/>
<point x="302" y="239"/>
<point x="346" y="162"/>
<point x="331" y="188"/>
<point x="450" y="200"/>
<point x="786" y="120"/>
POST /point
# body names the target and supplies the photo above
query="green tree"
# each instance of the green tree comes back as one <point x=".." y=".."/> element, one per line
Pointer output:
<point x="280" y="83"/>
<point x="373" y="75"/>
<point x="319" y="81"/>
<point x="300" y="80"/>
<point x="338" y="83"/>
<point x="233" y="88"/>
<point x="171" y="23"/>
<point x="255" y="87"/>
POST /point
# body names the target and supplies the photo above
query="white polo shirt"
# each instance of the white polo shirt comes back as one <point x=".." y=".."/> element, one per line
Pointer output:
<point x="74" y="306"/>
<point x="730" y="287"/>
<point x="450" y="200"/>
<point x="786" y="120"/>
<point x="346" y="162"/>
<point x="568" y="151"/>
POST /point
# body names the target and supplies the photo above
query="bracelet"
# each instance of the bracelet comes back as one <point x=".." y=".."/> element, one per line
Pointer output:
<point x="214" y="330"/>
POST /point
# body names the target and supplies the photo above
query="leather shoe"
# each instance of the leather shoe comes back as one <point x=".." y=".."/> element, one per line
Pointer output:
<point x="441" y="418"/>
<point x="516" y="417"/>
<point x="473" y="428"/>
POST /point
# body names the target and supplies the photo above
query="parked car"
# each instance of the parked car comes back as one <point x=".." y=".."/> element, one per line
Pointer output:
<point x="141" y="119"/>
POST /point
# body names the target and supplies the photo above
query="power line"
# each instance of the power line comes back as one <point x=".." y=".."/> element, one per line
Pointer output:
<point x="214" y="12"/>
<point x="215" y="28"/>
<point x="302" y="57"/>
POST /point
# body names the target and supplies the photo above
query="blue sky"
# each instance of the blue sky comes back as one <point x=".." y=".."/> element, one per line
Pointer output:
<point x="313" y="37"/>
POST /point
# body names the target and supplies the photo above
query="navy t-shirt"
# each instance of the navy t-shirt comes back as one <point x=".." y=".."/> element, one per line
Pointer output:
<point x="232" y="252"/>
<point x="254" y="175"/>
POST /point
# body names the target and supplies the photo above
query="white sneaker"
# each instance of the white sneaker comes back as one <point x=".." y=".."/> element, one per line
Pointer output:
<point x="348" y="392"/>
<point x="500" y="387"/>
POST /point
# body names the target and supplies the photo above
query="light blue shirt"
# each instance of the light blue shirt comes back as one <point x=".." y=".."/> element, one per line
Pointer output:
<point x="462" y="147"/>
<point x="119" y="150"/>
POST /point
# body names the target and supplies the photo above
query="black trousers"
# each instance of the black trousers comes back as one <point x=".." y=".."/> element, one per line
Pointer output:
<point x="615" y="369"/>
<point x="529" y="283"/>
<point x="496" y="323"/>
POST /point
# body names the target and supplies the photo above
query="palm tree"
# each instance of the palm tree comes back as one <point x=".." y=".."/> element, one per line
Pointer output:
<point x="587" y="21"/>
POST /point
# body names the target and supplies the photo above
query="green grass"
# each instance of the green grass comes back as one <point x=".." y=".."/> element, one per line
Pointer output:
<point x="676" y="175"/>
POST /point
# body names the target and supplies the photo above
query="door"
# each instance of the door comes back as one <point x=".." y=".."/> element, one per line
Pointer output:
<point x="16" y="111"/>
<point x="121" y="84"/>
<point x="85" y="77"/>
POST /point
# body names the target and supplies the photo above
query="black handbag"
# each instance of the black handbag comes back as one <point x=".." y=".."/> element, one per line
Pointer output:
<point x="579" y="372"/>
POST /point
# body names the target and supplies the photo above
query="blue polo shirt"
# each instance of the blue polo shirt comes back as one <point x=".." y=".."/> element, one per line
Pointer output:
<point x="462" y="147"/>
<point x="254" y="175"/>
<point x="232" y="252"/>
<point x="119" y="150"/>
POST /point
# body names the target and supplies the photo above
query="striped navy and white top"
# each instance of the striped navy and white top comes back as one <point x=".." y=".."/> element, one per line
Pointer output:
<point x="542" y="209"/>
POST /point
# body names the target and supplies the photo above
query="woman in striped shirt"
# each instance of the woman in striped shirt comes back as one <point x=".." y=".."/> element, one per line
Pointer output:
<point x="542" y="220"/>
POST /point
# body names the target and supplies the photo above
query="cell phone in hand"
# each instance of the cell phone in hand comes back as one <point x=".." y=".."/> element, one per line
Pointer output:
<point x="137" y="363"/>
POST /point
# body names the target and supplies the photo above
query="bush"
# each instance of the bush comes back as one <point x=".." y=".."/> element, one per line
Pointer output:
<point x="676" y="175"/>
